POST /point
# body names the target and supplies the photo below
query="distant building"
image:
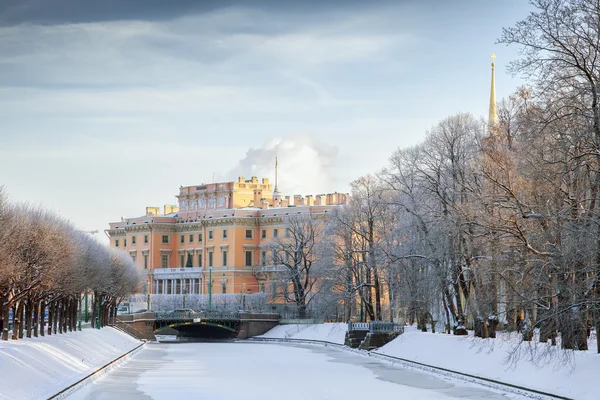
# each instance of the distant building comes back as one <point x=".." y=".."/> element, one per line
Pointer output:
<point x="224" y="226"/>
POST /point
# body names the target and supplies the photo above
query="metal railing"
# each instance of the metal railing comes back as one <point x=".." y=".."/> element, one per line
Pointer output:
<point x="376" y="327"/>
<point x="127" y="329"/>
<point x="176" y="270"/>
<point x="196" y="315"/>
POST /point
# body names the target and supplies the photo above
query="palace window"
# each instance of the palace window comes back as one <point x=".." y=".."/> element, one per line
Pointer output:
<point x="249" y="233"/>
<point x="224" y="288"/>
<point x="133" y="257"/>
<point x="164" y="261"/>
<point x="181" y="261"/>
<point x="200" y="259"/>
<point x="263" y="234"/>
<point x="248" y="258"/>
<point x="275" y="232"/>
<point x="200" y="237"/>
<point x="224" y="233"/>
<point x="182" y="239"/>
<point x="165" y="239"/>
<point x="124" y="242"/>
<point x="210" y="235"/>
<point x="263" y="257"/>
<point x="133" y="240"/>
<point x="145" y="261"/>
<point x="191" y="238"/>
<point x="224" y="258"/>
<point x="116" y="242"/>
<point x="210" y="258"/>
<point x="145" y="239"/>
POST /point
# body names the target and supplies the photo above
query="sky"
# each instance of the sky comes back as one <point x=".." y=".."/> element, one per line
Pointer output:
<point x="108" y="107"/>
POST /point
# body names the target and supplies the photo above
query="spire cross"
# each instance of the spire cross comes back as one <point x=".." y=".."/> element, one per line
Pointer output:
<point x="493" y="58"/>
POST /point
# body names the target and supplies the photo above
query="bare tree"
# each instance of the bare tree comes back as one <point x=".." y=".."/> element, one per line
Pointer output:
<point x="297" y="254"/>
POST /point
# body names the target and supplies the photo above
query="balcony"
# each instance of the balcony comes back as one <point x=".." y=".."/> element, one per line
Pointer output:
<point x="177" y="273"/>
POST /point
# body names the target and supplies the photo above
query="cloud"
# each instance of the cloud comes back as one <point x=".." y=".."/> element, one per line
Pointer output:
<point x="304" y="164"/>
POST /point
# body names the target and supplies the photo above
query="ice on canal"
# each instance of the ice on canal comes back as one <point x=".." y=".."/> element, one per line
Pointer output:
<point x="251" y="371"/>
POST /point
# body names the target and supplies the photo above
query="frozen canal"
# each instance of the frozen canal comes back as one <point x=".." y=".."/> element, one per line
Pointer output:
<point x="268" y="371"/>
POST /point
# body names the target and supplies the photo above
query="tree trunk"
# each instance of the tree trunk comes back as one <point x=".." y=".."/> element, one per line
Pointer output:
<point x="5" y="321"/>
<point x="42" y="319"/>
<point x="50" y="316"/>
<point x="36" y="318"/>
<point x="54" y="317"/>
<point x="21" y="318"/>
<point x="17" y="318"/>
<point x="29" y="318"/>
<point x="369" y="296"/>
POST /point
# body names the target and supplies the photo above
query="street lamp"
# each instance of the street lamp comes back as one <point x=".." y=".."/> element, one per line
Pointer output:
<point x="210" y="289"/>
<point x="244" y="297"/>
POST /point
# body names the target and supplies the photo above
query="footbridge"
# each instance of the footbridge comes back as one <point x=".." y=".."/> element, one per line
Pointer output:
<point x="198" y="324"/>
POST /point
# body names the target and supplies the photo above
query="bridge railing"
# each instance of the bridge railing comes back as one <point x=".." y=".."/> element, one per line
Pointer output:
<point x="376" y="327"/>
<point x="192" y="315"/>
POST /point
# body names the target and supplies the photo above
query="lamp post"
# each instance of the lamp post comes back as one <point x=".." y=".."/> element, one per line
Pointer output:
<point x="210" y="289"/>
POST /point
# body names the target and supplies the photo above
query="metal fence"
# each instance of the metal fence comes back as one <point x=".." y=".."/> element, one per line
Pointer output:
<point x="196" y="315"/>
<point x="375" y="327"/>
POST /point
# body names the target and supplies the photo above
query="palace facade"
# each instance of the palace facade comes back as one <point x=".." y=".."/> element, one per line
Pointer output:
<point x="219" y="230"/>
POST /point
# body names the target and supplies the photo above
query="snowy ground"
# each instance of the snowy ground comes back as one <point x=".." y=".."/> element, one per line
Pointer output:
<point x="253" y="371"/>
<point x="330" y="332"/>
<point x="576" y="378"/>
<point x="487" y="358"/>
<point x="37" y="368"/>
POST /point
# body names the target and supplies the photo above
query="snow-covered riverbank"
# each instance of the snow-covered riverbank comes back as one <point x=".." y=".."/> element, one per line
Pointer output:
<point x="570" y="374"/>
<point x="36" y="368"/>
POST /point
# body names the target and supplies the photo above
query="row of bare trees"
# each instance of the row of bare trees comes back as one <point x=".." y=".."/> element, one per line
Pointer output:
<point x="485" y="225"/>
<point x="46" y="266"/>
<point x="480" y="225"/>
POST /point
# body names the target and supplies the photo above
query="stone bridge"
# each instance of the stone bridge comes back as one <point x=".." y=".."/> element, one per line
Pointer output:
<point x="207" y="324"/>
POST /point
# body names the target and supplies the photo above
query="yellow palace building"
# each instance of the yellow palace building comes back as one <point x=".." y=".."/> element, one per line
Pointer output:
<point x="223" y="228"/>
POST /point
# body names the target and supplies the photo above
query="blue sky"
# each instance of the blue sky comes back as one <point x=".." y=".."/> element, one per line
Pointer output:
<point x="107" y="107"/>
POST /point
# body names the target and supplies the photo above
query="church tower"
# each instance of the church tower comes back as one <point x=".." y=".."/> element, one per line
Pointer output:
<point x="493" y="114"/>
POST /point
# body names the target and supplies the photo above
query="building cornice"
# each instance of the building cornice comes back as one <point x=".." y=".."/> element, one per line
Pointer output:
<point x="230" y="221"/>
<point x="183" y="227"/>
<point x="115" y="232"/>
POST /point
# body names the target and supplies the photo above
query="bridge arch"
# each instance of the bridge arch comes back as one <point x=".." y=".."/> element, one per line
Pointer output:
<point x="201" y="330"/>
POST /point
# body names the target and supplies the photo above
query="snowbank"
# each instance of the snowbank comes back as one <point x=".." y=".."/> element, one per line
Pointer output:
<point x="331" y="332"/>
<point x="40" y="367"/>
<point x="484" y="358"/>
<point x="487" y="358"/>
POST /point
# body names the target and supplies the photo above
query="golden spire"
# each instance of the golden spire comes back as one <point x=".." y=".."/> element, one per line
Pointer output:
<point x="493" y="117"/>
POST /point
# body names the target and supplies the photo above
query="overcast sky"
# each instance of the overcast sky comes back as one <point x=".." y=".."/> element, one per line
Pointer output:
<point x="108" y="107"/>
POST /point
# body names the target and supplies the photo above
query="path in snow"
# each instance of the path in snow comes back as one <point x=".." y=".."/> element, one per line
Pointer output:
<point x="216" y="371"/>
